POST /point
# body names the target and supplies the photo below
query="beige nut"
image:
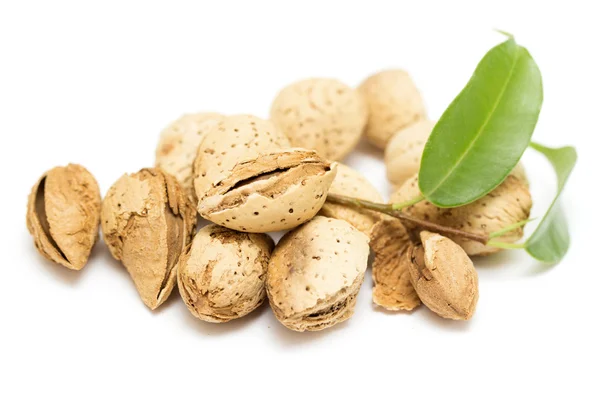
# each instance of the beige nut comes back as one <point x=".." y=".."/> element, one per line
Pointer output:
<point x="222" y="275"/>
<point x="178" y="146"/>
<point x="260" y="187"/>
<point x="235" y="139"/>
<point x="403" y="152"/>
<point x="63" y="213"/>
<point x="393" y="101"/>
<point x="392" y="286"/>
<point x="351" y="183"/>
<point x="509" y="203"/>
<point x="320" y="114"/>
<point x="315" y="273"/>
<point x="147" y="221"/>
<point x="444" y="277"/>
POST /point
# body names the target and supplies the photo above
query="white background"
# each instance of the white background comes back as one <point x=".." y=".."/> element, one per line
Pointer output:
<point x="95" y="82"/>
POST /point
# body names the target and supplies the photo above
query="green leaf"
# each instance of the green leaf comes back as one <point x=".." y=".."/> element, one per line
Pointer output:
<point x="483" y="133"/>
<point x="550" y="241"/>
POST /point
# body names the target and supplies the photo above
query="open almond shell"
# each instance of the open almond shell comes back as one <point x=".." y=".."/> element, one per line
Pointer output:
<point x="147" y="221"/>
<point x="63" y="214"/>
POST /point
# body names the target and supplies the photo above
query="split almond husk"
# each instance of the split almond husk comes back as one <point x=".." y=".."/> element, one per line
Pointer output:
<point x="63" y="213"/>
<point x="392" y="286"/>
<point x="147" y="221"/>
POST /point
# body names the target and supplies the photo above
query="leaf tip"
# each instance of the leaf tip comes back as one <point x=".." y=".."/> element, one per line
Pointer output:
<point x="505" y="33"/>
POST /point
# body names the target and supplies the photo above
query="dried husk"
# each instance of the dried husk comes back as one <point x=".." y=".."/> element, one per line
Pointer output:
<point x="221" y="276"/>
<point x="147" y="221"/>
<point x="315" y="273"/>
<point x="444" y="277"/>
<point x="351" y="183"/>
<point x="63" y="215"/>
<point x="392" y="285"/>
<point x="508" y="204"/>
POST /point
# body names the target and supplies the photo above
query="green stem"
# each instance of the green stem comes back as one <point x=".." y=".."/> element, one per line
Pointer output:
<point x="400" y="206"/>
<point x="390" y="211"/>
<point x="505" y="245"/>
<point x="509" y="228"/>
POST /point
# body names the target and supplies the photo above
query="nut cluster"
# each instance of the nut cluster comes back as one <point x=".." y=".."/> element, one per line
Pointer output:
<point x="249" y="176"/>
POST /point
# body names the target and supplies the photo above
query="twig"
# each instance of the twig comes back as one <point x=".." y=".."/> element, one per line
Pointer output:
<point x="389" y="210"/>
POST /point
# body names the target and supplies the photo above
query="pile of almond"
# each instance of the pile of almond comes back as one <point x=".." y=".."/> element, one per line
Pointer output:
<point x="250" y="176"/>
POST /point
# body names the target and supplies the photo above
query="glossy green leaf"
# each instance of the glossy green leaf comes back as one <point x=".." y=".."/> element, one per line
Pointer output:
<point x="483" y="133"/>
<point x="550" y="241"/>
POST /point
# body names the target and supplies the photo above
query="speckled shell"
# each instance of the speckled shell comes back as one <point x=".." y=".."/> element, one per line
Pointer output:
<point x="63" y="214"/>
<point x="392" y="286"/>
<point x="349" y="182"/>
<point x="235" y="139"/>
<point x="315" y="273"/>
<point x="178" y="146"/>
<point x="320" y="114"/>
<point x="147" y="221"/>
<point x="222" y="275"/>
<point x="509" y="203"/>
<point x="444" y="277"/>
<point x="393" y="102"/>
<point x="261" y="186"/>
<point x="403" y="152"/>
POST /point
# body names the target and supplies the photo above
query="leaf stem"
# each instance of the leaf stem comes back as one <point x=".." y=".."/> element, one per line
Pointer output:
<point x="400" y="206"/>
<point x="509" y="228"/>
<point x="505" y="245"/>
<point x="390" y="211"/>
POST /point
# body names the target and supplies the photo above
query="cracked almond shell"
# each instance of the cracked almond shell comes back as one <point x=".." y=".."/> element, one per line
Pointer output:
<point x="63" y="214"/>
<point x="315" y="273"/>
<point x="444" y="277"/>
<point x="222" y="275"/>
<point x="261" y="186"/>
<point x="392" y="285"/>
<point x="509" y="203"/>
<point x="147" y="221"/>
<point x="393" y="102"/>
<point x="403" y="152"/>
<point x="178" y="146"/>
<point x="351" y="183"/>
<point x="320" y="114"/>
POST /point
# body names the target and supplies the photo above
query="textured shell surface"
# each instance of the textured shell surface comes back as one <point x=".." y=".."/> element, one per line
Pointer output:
<point x="444" y="277"/>
<point x="178" y="145"/>
<point x="263" y="185"/>
<point x="315" y="273"/>
<point x="321" y="114"/>
<point x="393" y="102"/>
<point x="403" y="152"/>
<point x="509" y="203"/>
<point x="392" y="285"/>
<point x="235" y="139"/>
<point x="349" y="182"/>
<point x="147" y="221"/>
<point x="222" y="274"/>
<point x="63" y="215"/>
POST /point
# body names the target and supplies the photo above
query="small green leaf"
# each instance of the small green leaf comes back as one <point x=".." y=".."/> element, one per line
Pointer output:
<point x="483" y="133"/>
<point x="550" y="241"/>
